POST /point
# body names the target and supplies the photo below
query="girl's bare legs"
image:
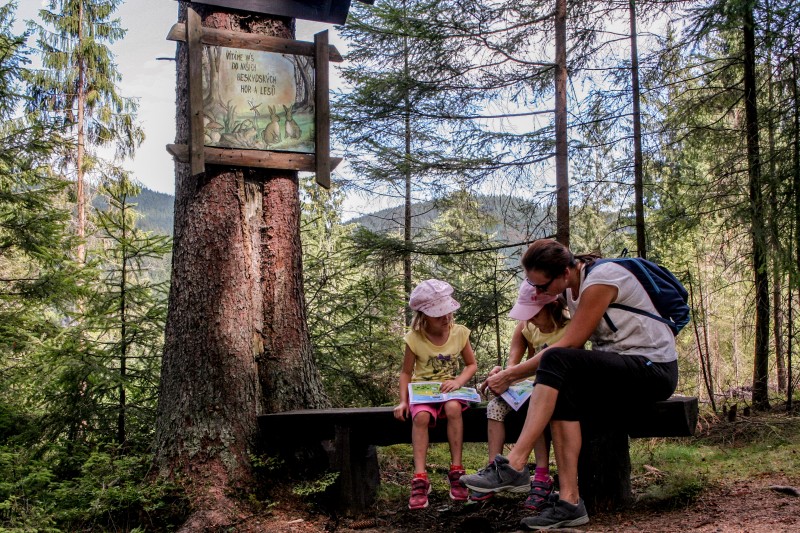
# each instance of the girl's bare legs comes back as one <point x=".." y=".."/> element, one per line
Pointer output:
<point x="541" y="452"/>
<point x="419" y="440"/>
<point x="455" y="430"/>
<point x="496" y="437"/>
<point x="540" y="409"/>
<point x="567" y="448"/>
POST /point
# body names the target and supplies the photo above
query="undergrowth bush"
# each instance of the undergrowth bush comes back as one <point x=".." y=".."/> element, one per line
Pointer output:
<point x="111" y="492"/>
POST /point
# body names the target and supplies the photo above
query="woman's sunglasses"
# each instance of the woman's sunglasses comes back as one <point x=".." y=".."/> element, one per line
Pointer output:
<point x="540" y="288"/>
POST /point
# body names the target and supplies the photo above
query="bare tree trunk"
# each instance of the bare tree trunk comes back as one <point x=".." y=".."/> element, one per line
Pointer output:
<point x="760" y="266"/>
<point x="638" y="178"/>
<point x="407" y="205"/>
<point x="237" y="340"/>
<point x="562" y="162"/>
<point x="796" y="190"/>
<point x="79" y="164"/>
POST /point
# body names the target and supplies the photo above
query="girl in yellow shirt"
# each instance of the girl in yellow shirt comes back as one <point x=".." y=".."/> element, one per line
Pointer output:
<point x="435" y="349"/>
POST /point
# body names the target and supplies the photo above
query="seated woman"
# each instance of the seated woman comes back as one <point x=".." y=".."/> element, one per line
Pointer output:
<point x="633" y="362"/>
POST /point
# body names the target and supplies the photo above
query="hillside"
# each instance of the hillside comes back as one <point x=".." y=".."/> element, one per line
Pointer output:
<point x="515" y="219"/>
<point x="156" y="209"/>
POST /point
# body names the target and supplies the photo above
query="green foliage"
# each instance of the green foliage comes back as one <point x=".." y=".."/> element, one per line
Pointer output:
<point x="107" y="489"/>
<point x="353" y="302"/>
<point x="317" y="486"/>
<point x="78" y="69"/>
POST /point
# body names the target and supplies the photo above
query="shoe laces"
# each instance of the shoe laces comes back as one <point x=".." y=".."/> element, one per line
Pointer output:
<point x="419" y="487"/>
<point x="488" y="468"/>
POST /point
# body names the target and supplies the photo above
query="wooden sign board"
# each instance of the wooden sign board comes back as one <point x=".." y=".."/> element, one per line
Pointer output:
<point x="332" y="11"/>
<point x="250" y="93"/>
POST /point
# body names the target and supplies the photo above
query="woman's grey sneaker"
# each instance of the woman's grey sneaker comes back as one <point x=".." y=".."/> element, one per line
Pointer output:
<point x="499" y="476"/>
<point x="558" y="514"/>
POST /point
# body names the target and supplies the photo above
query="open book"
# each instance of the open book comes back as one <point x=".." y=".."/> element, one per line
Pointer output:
<point x="428" y="392"/>
<point x="518" y="393"/>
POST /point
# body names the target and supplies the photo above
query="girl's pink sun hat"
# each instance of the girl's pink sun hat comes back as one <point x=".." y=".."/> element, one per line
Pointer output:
<point x="529" y="302"/>
<point x="432" y="298"/>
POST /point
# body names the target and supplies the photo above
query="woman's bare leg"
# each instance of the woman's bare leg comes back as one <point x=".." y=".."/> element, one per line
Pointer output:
<point x="540" y="409"/>
<point x="567" y="448"/>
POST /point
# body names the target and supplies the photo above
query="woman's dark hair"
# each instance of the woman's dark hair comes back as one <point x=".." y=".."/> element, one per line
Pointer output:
<point x="552" y="257"/>
<point x="558" y="312"/>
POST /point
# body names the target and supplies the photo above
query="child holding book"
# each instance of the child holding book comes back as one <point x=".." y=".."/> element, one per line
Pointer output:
<point x="542" y="321"/>
<point x="435" y="349"/>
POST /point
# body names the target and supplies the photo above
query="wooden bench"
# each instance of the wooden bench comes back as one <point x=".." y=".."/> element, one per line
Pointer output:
<point x="604" y="466"/>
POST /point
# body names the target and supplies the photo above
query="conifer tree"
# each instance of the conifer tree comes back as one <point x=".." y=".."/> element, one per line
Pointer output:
<point x="78" y="83"/>
<point x="37" y="277"/>
<point x="126" y="313"/>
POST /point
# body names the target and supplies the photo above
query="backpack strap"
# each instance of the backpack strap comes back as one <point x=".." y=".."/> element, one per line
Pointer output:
<point x="589" y="266"/>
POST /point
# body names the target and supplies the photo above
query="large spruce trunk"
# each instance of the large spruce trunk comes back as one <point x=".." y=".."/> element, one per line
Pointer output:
<point x="237" y="342"/>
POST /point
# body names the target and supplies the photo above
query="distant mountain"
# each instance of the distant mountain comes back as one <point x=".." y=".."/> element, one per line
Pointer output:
<point x="516" y="219"/>
<point x="157" y="210"/>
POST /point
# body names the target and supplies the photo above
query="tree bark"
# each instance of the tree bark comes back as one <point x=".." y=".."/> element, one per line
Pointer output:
<point x="562" y="162"/>
<point x="237" y="342"/>
<point x="760" y="266"/>
<point x="638" y="178"/>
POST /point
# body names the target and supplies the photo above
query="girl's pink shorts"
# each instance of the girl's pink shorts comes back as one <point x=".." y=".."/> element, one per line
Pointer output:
<point x="435" y="409"/>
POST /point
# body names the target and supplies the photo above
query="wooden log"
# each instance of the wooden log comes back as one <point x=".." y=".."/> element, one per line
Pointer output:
<point x="253" y="41"/>
<point x="195" y="80"/>
<point x="322" y="113"/>
<point x="252" y="158"/>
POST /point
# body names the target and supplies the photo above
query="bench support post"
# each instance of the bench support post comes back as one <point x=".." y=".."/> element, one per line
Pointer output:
<point x="359" y="476"/>
<point x="604" y="467"/>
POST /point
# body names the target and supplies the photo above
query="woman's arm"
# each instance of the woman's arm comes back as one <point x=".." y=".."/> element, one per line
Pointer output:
<point x="516" y="350"/>
<point x="594" y="303"/>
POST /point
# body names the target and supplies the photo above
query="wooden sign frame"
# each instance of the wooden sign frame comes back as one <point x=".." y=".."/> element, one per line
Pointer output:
<point x="331" y="11"/>
<point x="197" y="154"/>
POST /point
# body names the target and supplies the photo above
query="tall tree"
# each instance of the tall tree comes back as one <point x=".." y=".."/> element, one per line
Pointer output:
<point x="126" y="313"/>
<point x="237" y="341"/>
<point x="37" y="277"/>
<point x="78" y="82"/>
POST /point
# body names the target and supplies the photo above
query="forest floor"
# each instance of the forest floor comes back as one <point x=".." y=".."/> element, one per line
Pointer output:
<point x="765" y="502"/>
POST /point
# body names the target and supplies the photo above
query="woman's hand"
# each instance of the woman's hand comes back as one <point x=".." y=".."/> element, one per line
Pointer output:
<point x="483" y="386"/>
<point x="500" y="381"/>
<point x="450" y="385"/>
<point x="401" y="412"/>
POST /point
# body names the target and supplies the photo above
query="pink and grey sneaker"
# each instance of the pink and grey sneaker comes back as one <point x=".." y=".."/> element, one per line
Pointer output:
<point x="458" y="491"/>
<point x="420" y="488"/>
<point x="539" y="495"/>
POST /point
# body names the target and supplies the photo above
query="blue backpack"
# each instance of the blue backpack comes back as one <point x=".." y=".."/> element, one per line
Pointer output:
<point x="668" y="295"/>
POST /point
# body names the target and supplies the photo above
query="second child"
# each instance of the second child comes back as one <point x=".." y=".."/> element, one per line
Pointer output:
<point x="435" y="349"/>
<point x="542" y="320"/>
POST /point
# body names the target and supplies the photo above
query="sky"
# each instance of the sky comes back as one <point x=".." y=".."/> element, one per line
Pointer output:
<point x="150" y="80"/>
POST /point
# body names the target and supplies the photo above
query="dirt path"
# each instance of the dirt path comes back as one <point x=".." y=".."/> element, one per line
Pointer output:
<point x="750" y="506"/>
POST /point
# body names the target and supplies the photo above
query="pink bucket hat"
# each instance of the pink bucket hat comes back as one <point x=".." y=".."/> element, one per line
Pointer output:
<point x="529" y="303"/>
<point x="432" y="297"/>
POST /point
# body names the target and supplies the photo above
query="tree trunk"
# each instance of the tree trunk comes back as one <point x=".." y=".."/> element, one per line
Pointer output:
<point x="760" y="267"/>
<point x="237" y="342"/>
<point x="80" y="192"/>
<point x="562" y="162"/>
<point x="638" y="178"/>
<point x="407" y="205"/>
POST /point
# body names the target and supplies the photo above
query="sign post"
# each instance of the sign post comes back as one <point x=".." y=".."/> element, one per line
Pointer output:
<point x="255" y="100"/>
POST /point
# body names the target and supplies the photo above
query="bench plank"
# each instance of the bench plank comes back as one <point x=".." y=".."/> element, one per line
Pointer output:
<point x="603" y="468"/>
<point x="675" y="417"/>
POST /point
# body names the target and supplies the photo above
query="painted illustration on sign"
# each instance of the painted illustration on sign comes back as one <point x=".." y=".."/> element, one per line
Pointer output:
<point x="256" y="100"/>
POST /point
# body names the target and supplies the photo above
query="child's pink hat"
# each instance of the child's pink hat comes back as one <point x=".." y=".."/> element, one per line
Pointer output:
<point x="432" y="297"/>
<point x="529" y="302"/>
